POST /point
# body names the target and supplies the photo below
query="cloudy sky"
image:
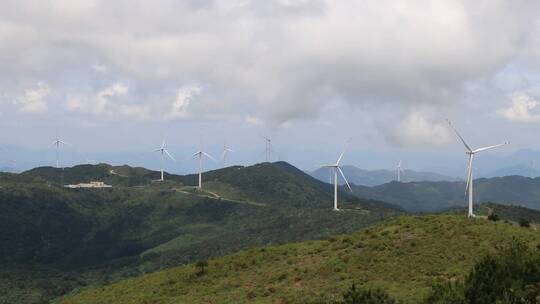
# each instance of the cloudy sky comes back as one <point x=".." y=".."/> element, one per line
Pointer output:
<point x="115" y="77"/>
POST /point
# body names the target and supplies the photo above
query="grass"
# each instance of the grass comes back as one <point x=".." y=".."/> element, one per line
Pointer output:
<point x="403" y="256"/>
<point x="139" y="226"/>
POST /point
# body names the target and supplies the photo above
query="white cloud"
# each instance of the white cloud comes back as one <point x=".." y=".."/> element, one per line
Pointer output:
<point x="286" y="59"/>
<point x="105" y="95"/>
<point x="99" y="68"/>
<point x="108" y="103"/>
<point x="419" y="130"/>
<point x="184" y="97"/>
<point x="33" y="100"/>
<point x="522" y="109"/>
<point x="256" y="121"/>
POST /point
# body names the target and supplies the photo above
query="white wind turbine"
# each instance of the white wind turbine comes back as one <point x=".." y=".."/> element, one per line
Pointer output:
<point x="57" y="143"/>
<point x="399" y="171"/>
<point x="163" y="151"/>
<point x="201" y="154"/>
<point x="335" y="168"/>
<point x="226" y="151"/>
<point x="267" y="147"/>
<point x="471" y="152"/>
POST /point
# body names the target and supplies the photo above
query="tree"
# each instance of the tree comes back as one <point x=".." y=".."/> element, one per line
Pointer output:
<point x="493" y="217"/>
<point x="201" y="265"/>
<point x="511" y="276"/>
<point x="524" y="223"/>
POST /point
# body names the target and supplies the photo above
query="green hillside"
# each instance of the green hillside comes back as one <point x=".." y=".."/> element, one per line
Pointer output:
<point x="51" y="235"/>
<point x="439" y="196"/>
<point x="405" y="257"/>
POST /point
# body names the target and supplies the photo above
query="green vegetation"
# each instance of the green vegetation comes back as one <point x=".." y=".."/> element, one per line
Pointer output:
<point x="524" y="223"/>
<point x="502" y="212"/>
<point x="440" y="196"/>
<point x="404" y="257"/>
<point x="55" y="240"/>
<point x="511" y="275"/>
<point x="360" y="296"/>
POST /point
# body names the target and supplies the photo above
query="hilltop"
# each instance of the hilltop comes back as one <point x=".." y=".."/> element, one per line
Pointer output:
<point x="404" y="256"/>
<point x="52" y="234"/>
<point x="440" y="196"/>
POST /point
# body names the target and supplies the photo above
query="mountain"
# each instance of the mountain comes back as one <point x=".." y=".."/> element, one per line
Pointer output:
<point x="518" y="169"/>
<point x="378" y="177"/>
<point x="439" y="196"/>
<point x="404" y="256"/>
<point x="56" y="239"/>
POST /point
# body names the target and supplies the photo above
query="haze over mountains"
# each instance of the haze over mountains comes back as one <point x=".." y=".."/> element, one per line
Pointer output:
<point x="363" y="177"/>
<point x="440" y="196"/>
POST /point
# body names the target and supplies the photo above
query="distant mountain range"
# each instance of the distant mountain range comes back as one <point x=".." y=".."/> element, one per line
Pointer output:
<point x="370" y="178"/>
<point x="440" y="196"/>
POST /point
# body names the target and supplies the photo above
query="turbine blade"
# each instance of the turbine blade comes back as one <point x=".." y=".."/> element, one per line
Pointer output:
<point x="156" y="150"/>
<point x="459" y="135"/>
<point x="196" y="153"/>
<point x="343" y="175"/>
<point x="344" y="149"/>
<point x="209" y="156"/>
<point x="489" y="147"/>
<point x="169" y="155"/>
<point x="469" y="172"/>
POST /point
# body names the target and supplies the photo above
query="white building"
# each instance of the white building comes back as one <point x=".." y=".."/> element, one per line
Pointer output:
<point x="89" y="185"/>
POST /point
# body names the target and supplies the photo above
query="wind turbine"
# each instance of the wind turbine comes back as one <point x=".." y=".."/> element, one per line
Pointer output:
<point x="226" y="150"/>
<point x="57" y="143"/>
<point x="399" y="170"/>
<point x="163" y="151"/>
<point x="267" y="147"/>
<point x="471" y="153"/>
<point x="335" y="168"/>
<point x="201" y="154"/>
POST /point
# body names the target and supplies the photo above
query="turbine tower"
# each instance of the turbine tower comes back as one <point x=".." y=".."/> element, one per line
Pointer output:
<point x="163" y="151"/>
<point x="399" y="171"/>
<point x="57" y="143"/>
<point x="335" y="168"/>
<point x="267" y="147"/>
<point x="226" y="151"/>
<point x="201" y="154"/>
<point x="471" y="153"/>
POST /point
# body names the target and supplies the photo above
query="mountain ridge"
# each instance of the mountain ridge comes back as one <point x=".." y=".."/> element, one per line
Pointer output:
<point x="371" y="178"/>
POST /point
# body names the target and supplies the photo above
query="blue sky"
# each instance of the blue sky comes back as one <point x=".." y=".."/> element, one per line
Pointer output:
<point x="115" y="78"/>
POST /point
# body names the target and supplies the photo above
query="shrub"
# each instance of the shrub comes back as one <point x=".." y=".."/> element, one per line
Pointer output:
<point x="493" y="217"/>
<point x="510" y="276"/>
<point x="363" y="296"/>
<point x="201" y="265"/>
<point x="447" y="293"/>
<point x="524" y="223"/>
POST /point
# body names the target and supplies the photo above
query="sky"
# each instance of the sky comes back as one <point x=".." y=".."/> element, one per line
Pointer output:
<point x="114" y="78"/>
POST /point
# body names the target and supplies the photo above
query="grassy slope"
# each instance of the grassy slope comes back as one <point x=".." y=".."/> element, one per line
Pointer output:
<point x="52" y="235"/>
<point x="404" y="256"/>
